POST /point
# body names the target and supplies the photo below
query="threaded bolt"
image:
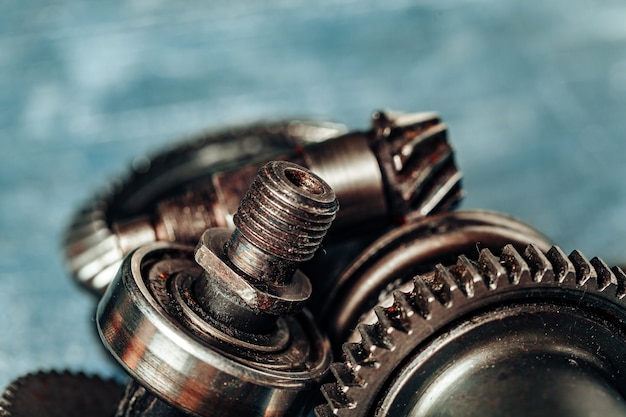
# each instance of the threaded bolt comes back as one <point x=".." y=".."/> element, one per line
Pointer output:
<point x="280" y="222"/>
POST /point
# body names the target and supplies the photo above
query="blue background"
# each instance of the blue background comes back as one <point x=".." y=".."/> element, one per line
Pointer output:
<point x="534" y="94"/>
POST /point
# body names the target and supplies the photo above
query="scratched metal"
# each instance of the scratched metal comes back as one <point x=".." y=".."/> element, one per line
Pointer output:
<point x="534" y="94"/>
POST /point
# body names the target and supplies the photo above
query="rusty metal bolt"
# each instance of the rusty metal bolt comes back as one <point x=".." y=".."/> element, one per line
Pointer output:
<point x="252" y="272"/>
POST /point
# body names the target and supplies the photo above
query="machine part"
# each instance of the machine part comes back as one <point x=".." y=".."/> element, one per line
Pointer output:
<point x="99" y="234"/>
<point x="399" y="171"/>
<point x="412" y="249"/>
<point x="60" y="394"/>
<point x="226" y="334"/>
<point x="526" y="333"/>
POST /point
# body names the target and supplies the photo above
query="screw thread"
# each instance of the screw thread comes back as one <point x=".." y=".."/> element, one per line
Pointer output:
<point x="281" y="221"/>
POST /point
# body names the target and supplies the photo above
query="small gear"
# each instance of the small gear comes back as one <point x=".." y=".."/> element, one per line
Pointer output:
<point x="485" y="338"/>
<point x="60" y="394"/>
<point x="410" y="250"/>
<point x="417" y="161"/>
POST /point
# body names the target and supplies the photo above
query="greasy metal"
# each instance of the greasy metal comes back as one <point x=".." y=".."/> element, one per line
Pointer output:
<point x="522" y="333"/>
<point x="166" y="186"/>
<point x="400" y="170"/>
<point x="150" y="323"/>
<point x="436" y="313"/>
<point x="52" y="394"/>
<point x="219" y="272"/>
<point x="281" y="222"/>
<point x="212" y="337"/>
<point x="139" y="402"/>
<point x="398" y="255"/>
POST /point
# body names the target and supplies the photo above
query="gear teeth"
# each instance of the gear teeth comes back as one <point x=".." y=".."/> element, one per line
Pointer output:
<point x="429" y="138"/>
<point x="428" y="167"/>
<point x="421" y="298"/>
<point x="467" y="275"/>
<point x="620" y="277"/>
<point x="393" y="317"/>
<point x="519" y="271"/>
<point x="406" y="306"/>
<point x="324" y="410"/>
<point x="374" y="336"/>
<point x="418" y="162"/>
<point x="345" y="376"/>
<point x="563" y="267"/>
<point x="357" y="355"/>
<point x="443" y="198"/>
<point x="442" y="285"/>
<point x="63" y="393"/>
<point x="491" y="268"/>
<point x="539" y="264"/>
<point x="421" y="312"/>
<point x="584" y="269"/>
<point x="605" y="275"/>
<point x="336" y="398"/>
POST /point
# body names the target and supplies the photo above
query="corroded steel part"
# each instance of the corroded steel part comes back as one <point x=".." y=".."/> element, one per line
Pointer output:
<point x="52" y="394"/>
<point x="170" y="196"/>
<point x="485" y="337"/>
<point x="151" y="323"/>
<point x="396" y="256"/>
<point x="281" y="222"/>
<point x="400" y="170"/>
<point x="217" y="333"/>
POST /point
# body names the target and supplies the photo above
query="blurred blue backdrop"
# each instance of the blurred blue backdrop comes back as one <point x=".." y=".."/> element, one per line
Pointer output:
<point x="534" y="94"/>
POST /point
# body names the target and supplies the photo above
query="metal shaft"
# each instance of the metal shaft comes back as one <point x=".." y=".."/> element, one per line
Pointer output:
<point x="281" y="222"/>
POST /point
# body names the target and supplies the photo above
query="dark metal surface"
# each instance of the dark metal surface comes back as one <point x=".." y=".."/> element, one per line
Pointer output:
<point x="226" y="334"/>
<point x="525" y="333"/>
<point x="533" y="93"/>
<point x="60" y="394"/>
<point x="171" y="195"/>
<point x="400" y="254"/>
<point x="400" y="170"/>
<point x="150" y="324"/>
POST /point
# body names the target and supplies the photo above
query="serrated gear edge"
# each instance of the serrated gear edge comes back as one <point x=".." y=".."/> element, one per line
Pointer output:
<point x="413" y="315"/>
<point x="14" y="387"/>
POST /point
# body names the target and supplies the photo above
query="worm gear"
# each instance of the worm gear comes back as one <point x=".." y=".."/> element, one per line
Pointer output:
<point x="525" y="333"/>
<point x="60" y="394"/>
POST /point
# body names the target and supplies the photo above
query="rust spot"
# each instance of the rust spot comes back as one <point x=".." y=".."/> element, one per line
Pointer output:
<point x="265" y="304"/>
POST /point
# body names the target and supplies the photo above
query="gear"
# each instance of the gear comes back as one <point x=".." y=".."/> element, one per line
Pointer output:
<point x="93" y="252"/>
<point x="407" y="251"/>
<point x="400" y="170"/>
<point x="463" y="338"/>
<point x="417" y="162"/>
<point x="60" y="394"/>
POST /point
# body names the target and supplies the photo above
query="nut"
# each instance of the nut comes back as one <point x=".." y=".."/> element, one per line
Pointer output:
<point x="259" y="296"/>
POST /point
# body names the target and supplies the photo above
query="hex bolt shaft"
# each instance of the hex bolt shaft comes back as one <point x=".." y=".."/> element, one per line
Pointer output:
<point x="251" y="276"/>
<point x="227" y="330"/>
<point x="281" y="222"/>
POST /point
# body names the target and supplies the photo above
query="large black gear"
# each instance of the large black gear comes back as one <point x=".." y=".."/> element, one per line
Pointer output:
<point x="60" y="394"/>
<point x="460" y="340"/>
